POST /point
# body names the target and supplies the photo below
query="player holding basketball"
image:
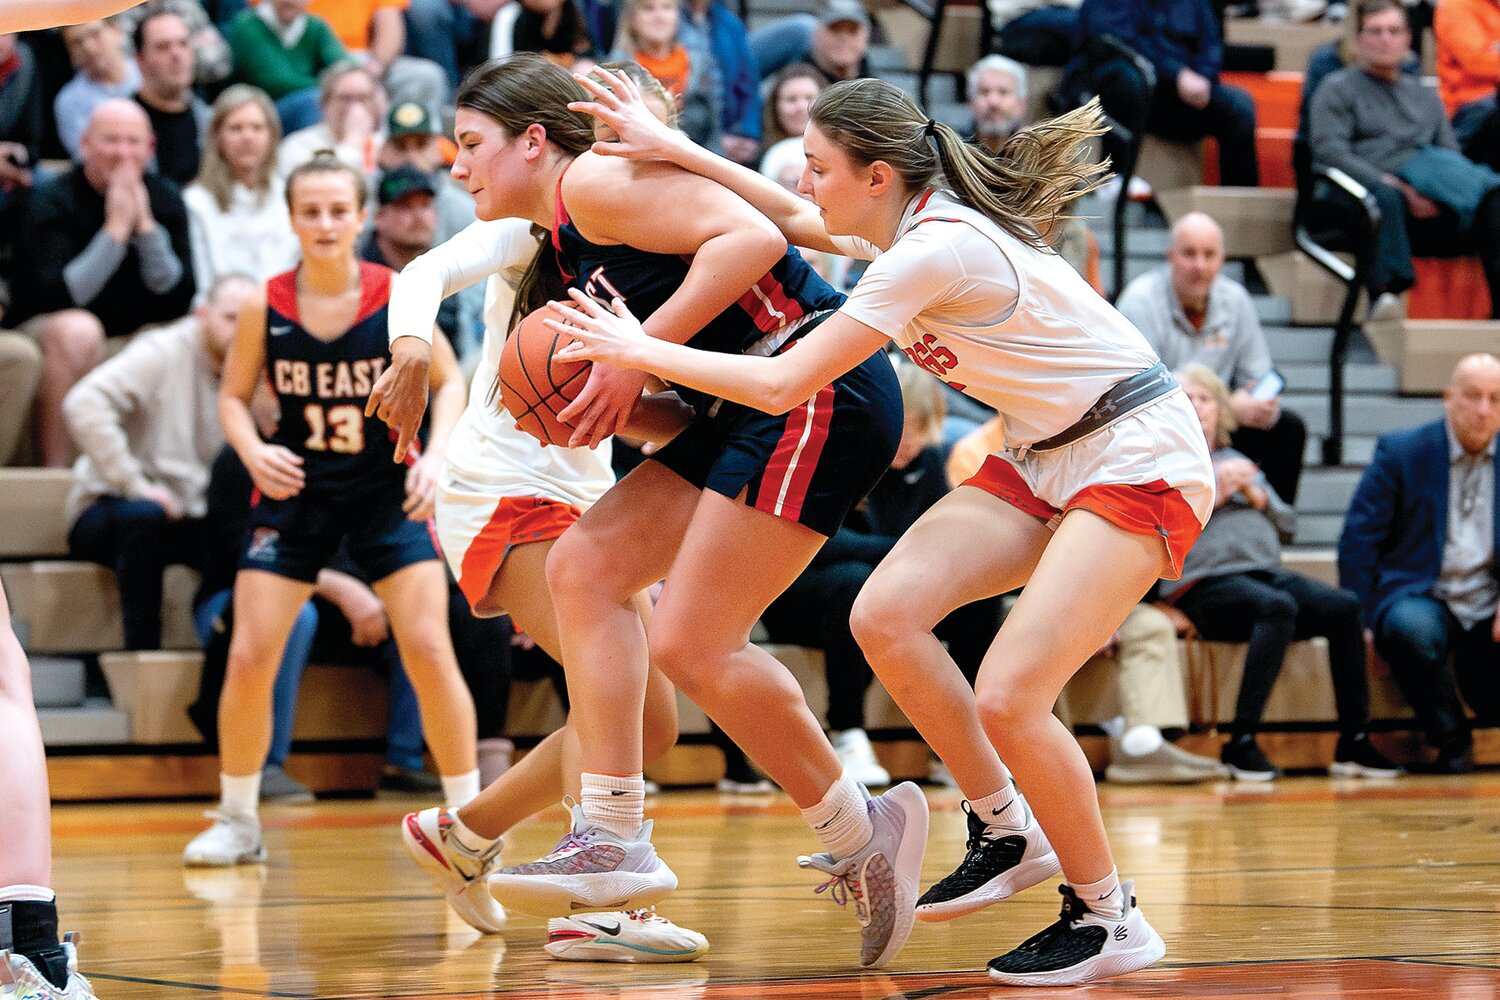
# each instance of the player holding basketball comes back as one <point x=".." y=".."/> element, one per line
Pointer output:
<point x="327" y="475"/>
<point x="1101" y="466"/>
<point x="729" y="513"/>
<point x="502" y="501"/>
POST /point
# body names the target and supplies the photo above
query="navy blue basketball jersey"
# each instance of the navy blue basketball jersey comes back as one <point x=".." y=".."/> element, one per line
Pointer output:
<point x="323" y="387"/>
<point x="644" y="280"/>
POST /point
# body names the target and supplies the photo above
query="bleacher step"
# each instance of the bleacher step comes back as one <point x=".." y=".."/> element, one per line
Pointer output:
<point x="94" y="723"/>
<point x="1326" y="491"/>
<point x="31" y="512"/>
<point x="1319" y="529"/>
<point x="57" y="681"/>
<point x="1370" y="415"/>
<point x="1312" y="376"/>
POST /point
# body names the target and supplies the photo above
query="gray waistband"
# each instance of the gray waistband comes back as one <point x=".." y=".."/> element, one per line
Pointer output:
<point x="1120" y="401"/>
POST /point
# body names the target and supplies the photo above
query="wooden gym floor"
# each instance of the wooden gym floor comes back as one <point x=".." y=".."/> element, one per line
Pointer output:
<point x="1311" y="888"/>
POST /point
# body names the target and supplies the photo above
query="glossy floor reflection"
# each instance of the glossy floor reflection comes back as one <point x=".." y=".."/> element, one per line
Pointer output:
<point x="1313" y="888"/>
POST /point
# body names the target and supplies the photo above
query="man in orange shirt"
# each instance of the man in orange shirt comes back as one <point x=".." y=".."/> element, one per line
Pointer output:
<point x="374" y="31"/>
<point x="1468" y="66"/>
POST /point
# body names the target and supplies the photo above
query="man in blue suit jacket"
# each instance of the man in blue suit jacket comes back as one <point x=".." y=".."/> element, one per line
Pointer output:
<point x="1419" y="549"/>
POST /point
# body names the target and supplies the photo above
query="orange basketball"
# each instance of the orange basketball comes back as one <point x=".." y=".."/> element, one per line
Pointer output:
<point x="534" y="386"/>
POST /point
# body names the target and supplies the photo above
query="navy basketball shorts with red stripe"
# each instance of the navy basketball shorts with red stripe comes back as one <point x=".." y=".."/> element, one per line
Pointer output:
<point x="811" y="465"/>
<point x="297" y="537"/>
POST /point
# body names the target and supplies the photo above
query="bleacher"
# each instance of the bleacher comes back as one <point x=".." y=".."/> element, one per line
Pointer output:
<point x="137" y="742"/>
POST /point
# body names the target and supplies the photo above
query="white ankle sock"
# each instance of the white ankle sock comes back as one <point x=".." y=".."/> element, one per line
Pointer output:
<point x="240" y="795"/>
<point x="1113" y="727"/>
<point x="615" y="803"/>
<point x="841" y="820"/>
<point x="22" y="893"/>
<point x="1104" y="897"/>
<point x="1139" y="741"/>
<point x="1003" y="808"/>
<point x="468" y="838"/>
<point x="460" y="789"/>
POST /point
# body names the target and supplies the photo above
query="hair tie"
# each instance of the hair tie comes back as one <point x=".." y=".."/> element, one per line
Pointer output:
<point x="931" y="128"/>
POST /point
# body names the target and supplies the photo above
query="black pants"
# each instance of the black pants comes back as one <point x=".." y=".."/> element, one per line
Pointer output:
<point x="1277" y="450"/>
<point x="1269" y="609"/>
<point x="137" y="540"/>
<point x="482" y="646"/>
<point x="1416" y="637"/>
<point x="1229" y="117"/>
<point x="1401" y="236"/>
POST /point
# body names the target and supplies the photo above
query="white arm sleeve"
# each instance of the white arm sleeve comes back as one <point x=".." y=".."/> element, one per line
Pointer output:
<point x="473" y="254"/>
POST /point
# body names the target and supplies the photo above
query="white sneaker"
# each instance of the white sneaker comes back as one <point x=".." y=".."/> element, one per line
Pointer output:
<point x="997" y="864"/>
<point x="1082" y="946"/>
<point x="232" y="840"/>
<point x="591" y="868"/>
<point x="630" y="936"/>
<point x="858" y="758"/>
<point x="459" y="873"/>
<point x="882" y="877"/>
<point x="20" y="980"/>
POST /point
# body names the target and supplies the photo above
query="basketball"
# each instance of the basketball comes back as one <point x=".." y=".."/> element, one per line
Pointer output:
<point x="534" y="386"/>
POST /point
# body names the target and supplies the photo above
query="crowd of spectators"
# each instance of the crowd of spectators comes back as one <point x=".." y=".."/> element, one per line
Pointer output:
<point x="141" y="195"/>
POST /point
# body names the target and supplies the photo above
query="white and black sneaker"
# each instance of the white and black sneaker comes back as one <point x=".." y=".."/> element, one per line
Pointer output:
<point x="1356" y="757"/>
<point x="1082" y="946"/>
<point x="998" y="864"/>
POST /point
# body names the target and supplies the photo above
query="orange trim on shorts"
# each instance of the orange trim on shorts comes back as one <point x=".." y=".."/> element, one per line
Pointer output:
<point x="515" y="521"/>
<point x="1155" y="509"/>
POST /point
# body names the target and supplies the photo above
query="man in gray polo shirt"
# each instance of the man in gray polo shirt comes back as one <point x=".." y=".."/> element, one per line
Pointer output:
<point x="1190" y="312"/>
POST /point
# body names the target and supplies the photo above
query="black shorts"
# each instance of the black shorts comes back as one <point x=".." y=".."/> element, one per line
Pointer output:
<point x="811" y="465"/>
<point x="297" y="537"/>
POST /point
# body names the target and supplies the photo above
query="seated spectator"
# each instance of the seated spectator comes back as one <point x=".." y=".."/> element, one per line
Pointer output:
<point x="412" y="139"/>
<point x="282" y="49"/>
<point x="835" y="41"/>
<point x="722" y="33"/>
<point x="353" y="106"/>
<point x="454" y="34"/>
<point x="1418" y="549"/>
<point x="212" y="58"/>
<point x="1468" y="68"/>
<point x="20" y="369"/>
<point x="1036" y="32"/>
<point x="237" y="215"/>
<point x="103" y="71"/>
<point x="179" y="118"/>
<point x="405" y="228"/>
<point x="374" y="33"/>
<point x="555" y="28"/>
<point x="1387" y="131"/>
<point x="147" y="424"/>
<point x="789" y="103"/>
<point x="1180" y="38"/>
<point x="1234" y="589"/>
<point x="650" y="35"/>
<point x="109" y="254"/>
<point x="1190" y="312"/>
<point x="20" y="129"/>
<point x="1148" y="676"/>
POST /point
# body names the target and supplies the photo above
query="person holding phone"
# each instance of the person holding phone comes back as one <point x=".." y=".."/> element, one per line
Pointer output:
<point x="1190" y="312"/>
<point x="1234" y="589"/>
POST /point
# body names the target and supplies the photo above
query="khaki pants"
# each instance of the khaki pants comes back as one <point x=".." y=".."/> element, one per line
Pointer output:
<point x="20" y="368"/>
<point x="1150" y="672"/>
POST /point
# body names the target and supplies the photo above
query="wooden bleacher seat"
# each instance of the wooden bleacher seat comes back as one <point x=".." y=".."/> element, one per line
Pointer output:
<point x="31" y="501"/>
<point x="1425" y="350"/>
<point x="1257" y="222"/>
<point x="66" y="606"/>
<point x="1294" y="44"/>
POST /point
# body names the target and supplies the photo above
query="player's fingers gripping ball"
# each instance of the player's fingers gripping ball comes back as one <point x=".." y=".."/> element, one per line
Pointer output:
<point x="535" y="385"/>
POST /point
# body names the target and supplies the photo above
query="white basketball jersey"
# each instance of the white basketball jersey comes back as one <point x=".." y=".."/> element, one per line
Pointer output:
<point x="1011" y="325"/>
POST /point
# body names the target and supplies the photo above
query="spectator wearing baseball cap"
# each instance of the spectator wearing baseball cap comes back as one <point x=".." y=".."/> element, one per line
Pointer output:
<point x="412" y="140"/>
<point x="406" y="227"/>
<point x="835" y="40"/>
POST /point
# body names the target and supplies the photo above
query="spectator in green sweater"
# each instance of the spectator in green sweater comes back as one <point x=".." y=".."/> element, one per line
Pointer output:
<point x="281" y="48"/>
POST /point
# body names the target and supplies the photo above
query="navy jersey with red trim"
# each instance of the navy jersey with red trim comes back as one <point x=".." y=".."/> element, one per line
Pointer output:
<point x="323" y="387"/>
<point x="645" y="280"/>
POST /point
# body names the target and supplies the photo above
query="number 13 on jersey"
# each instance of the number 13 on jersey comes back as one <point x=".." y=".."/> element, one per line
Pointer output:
<point x="339" y="429"/>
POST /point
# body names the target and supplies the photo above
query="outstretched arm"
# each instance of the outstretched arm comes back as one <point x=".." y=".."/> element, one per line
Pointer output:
<point x="774" y="384"/>
<point x="643" y="136"/>
<point x="34" y="15"/>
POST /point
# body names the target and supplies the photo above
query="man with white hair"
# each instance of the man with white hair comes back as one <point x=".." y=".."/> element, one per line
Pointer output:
<point x="1190" y="312"/>
<point x="997" y="100"/>
<point x="108" y="253"/>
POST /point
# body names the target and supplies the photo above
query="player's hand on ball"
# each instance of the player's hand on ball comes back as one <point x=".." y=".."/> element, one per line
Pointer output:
<point x="276" y="471"/>
<point x="400" y="395"/>
<point x="611" y="337"/>
<point x="421" y="487"/>
<point x="617" y="103"/>
<point x="603" y="408"/>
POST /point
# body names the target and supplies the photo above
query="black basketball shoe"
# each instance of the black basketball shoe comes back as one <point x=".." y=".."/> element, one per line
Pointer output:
<point x="1082" y="946"/>
<point x="998" y="863"/>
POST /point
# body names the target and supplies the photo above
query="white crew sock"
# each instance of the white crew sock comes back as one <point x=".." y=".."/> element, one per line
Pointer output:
<point x="467" y="838"/>
<point x="1104" y="897"/>
<point x="842" y="819"/>
<point x="22" y="893"/>
<point x="616" y="803"/>
<point x="460" y="789"/>
<point x="1139" y="741"/>
<point x="1003" y="808"/>
<point x="1113" y="728"/>
<point x="240" y="796"/>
